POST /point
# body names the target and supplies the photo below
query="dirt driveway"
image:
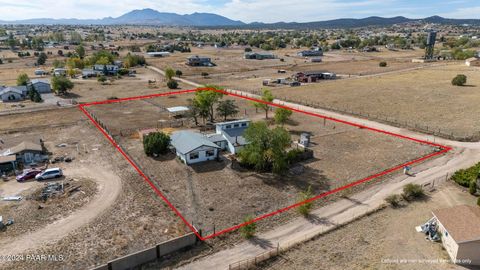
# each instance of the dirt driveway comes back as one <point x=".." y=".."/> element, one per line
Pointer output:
<point x="109" y="187"/>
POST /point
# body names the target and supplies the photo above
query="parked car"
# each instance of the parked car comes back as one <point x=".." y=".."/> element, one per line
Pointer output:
<point x="27" y="175"/>
<point x="49" y="174"/>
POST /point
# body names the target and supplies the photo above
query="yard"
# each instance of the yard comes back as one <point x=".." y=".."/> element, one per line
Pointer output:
<point x="217" y="195"/>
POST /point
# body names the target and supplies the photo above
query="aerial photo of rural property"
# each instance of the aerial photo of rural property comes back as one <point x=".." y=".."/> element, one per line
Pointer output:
<point x="238" y="134"/>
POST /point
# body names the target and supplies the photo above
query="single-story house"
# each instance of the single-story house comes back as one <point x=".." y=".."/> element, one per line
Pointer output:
<point x="314" y="76"/>
<point x="106" y="69"/>
<point x="473" y="62"/>
<point x="40" y="72"/>
<point x="460" y="230"/>
<point x="309" y="53"/>
<point x="25" y="152"/>
<point x="13" y="93"/>
<point x="41" y="85"/>
<point x="8" y="163"/>
<point x="88" y="73"/>
<point x="158" y="54"/>
<point x="258" y="55"/>
<point x="199" y="61"/>
<point x="59" y="72"/>
<point x="192" y="147"/>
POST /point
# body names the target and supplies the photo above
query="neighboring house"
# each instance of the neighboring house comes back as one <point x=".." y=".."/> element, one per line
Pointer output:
<point x="13" y="93"/>
<point x="460" y="230"/>
<point x="192" y="147"/>
<point x="87" y="73"/>
<point x="309" y="53"/>
<point x="106" y="69"/>
<point x="473" y="62"/>
<point x="59" y="72"/>
<point x="41" y="85"/>
<point x="199" y="61"/>
<point x="26" y="152"/>
<point x="158" y="54"/>
<point x="258" y="56"/>
<point x="40" y="72"/>
<point x="314" y="76"/>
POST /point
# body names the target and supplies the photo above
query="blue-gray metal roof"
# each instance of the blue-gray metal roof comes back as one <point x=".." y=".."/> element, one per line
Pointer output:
<point x="187" y="141"/>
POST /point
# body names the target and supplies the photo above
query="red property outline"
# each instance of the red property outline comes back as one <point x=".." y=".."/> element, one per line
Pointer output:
<point x="443" y="150"/>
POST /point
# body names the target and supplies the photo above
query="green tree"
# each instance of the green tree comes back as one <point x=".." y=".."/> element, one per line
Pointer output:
<point x="382" y="64"/>
<point x="156" y="143"/>
<point x="282" y="115"/>
<point x="412" y="191"/>
<point x="266" y="148"/>
<point x="172" y="84"/>
<point x="169" y="73"/>
<point x="22" y="79"/>
<point x="459" y="80"/>
<point x="248" y="230"/>
<point x="42" y="58"/>
<point x="227" y="108"/>
<point x="206" y="101"/>
<point x="305" y="208"/>
<point x="178" y="73"/>
<point x="266" y="97"/>
<point x="80" y="50"/>
<point x="61" y="85"/>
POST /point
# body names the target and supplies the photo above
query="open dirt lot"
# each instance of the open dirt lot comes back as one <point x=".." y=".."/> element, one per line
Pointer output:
<point x="387" y="234"/>
<point x="122" y="216"/>
<point x="424" y="97"/>
<point x="217" y="194"/>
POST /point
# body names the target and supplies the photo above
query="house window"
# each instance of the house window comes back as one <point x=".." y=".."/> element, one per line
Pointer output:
<point x="236" y="125"/>
<point x="210" y="153"/>
<point x="228" y="126"/>
<point x="194" y="155"/>
<point x="244" y="124"/>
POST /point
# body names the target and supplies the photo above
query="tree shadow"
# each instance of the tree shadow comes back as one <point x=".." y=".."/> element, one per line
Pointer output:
<point x="70" y="95"/>
<point x="263" y="243"/>
<point x="314" y="219"/>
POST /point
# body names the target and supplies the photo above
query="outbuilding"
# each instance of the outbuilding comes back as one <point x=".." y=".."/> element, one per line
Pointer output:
<point x="460" y="230"/>
<point x="473" y="62"/>
<point x="41" y="85"/>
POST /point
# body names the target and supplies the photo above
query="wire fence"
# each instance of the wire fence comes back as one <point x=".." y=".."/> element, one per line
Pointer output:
<point x="324" y="227"/>
<point x="451" y="135"/>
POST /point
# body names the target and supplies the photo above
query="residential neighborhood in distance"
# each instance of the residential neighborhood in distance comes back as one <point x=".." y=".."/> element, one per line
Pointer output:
<point x="240" y="135"/>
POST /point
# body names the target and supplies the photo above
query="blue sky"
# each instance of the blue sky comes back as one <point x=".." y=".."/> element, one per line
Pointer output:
<point x="245" y="10"/>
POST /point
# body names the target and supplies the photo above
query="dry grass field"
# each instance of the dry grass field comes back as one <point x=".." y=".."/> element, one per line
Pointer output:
<point x="424" y="97"/>
<point x="215" y="193"/>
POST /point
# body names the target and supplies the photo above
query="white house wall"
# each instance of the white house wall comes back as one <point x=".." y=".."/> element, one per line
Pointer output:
<point x="201" y="155"/>
<point x="449" y="243"/>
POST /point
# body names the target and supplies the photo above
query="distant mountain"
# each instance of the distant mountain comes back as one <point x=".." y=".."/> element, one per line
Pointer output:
<point x="143" y="17"/>
<point x="153" y="17"/>
<point x="369" y="21"/>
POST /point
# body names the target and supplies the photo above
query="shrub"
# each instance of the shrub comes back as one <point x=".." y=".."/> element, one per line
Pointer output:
<point x="248" y="231"/>
<point x="123" y="71"/>
<point x="478" y="202"/>
<point x="156" y="143"/>
<point x="472" y="187"/>
<point x="1" y="61"/>
<point x="412" y="192"/>
<point x="178" y="73"/>
<point x="459" y="80"/>
<point x="102" y="79"/>
<point x="172" y="84"/>
<point x="204" y="74"/>
<point x="394" y="200"/>
<point x="464" y="177"/>
<point x="305" y="208"/>
<point x="248" y="49"/>
<point x="383" y="64"/>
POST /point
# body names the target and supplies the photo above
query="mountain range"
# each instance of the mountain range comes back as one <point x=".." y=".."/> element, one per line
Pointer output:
<point x="153" y="17"/>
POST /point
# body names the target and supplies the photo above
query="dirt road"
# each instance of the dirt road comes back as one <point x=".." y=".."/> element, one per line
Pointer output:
<point x="109" y="187"/>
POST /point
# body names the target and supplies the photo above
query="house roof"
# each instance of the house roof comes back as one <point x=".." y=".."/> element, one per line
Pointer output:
<point x="7" y="159"/>
<point x="177" y="109"/>
<point x="472" y="59"/>
<point x="187" y="141"/>
<point x="24" y="146"/>
<point x="34" y="81"/>
<point x="462" y="222"/>
<point x="233" y="122"/>
<point x="16" y="89"/>
<point x="235" y="135"/>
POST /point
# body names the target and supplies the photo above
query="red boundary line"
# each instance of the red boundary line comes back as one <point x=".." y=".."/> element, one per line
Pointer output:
<point x="443" y="150"/>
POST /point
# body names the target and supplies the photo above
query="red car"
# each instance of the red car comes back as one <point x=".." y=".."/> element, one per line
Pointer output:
<point x="27" y="175"/>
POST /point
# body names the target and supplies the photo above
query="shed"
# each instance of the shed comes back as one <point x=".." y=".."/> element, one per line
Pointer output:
<point x="7" y="163"/>
<point x="473" y="62"/>
<point x="41" y="85"/>
<point x="460" y="230"/>
<point x="178" y="110"/>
